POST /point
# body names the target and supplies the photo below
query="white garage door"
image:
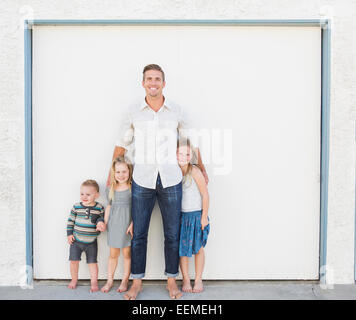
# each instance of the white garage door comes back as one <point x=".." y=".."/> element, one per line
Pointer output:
<point x="254" y="91"/>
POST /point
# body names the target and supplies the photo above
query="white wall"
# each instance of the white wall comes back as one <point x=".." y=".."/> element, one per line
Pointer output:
<point x="340" y="246"/>
<point x="258" y="88"/>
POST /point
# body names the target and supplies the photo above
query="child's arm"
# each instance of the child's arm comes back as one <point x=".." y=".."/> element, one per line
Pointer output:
<point x="101" y="225"/>
<point x="104" y="216"/>
<point x="100" y="222"/>
<point x="201" y="165"/>
<point x="203" y="189"/>
<point x="107" y="214"/>
<point x="70" y="225"/>
<point x="130" y="229"/>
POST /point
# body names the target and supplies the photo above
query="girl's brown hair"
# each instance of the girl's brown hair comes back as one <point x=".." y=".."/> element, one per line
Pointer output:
<point x="113" y="182"/>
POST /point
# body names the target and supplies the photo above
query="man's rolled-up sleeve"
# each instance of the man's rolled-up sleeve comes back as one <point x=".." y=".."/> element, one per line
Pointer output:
<point x="126" y="132"/>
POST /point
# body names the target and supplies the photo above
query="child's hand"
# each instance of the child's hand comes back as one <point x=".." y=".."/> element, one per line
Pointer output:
<point x="70" y="239"/>
<point x="204" y="222"/>
<point x="130" y="230"/>
<point x="101" y="226"/>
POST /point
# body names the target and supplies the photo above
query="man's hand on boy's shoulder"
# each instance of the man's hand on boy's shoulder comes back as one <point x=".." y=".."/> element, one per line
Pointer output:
<point x="70" y="239"/>
<point x="100" y="226"/>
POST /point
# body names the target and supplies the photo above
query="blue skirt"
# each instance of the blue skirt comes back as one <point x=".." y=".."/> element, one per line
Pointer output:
<point x="192" y="237"/>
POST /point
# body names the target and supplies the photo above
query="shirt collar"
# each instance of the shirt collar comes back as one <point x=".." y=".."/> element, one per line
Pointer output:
<point x="166" y="104"/>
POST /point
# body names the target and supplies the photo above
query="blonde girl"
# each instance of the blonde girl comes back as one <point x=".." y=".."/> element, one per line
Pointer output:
<point x="194" y="222"/>
<point x="118" y="221"/>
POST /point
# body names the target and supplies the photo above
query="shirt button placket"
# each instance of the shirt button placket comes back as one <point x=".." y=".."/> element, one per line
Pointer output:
<point x="156" y="123"/>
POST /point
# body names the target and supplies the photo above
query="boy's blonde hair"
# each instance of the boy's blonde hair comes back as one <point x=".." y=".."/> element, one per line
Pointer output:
<point x="113" y="182"/>
<point x="91" y="183"/>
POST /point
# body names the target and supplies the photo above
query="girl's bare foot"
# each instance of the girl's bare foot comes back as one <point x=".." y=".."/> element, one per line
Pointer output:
<point x="173" y="290"/>
<point x="107" y="287"/>
<point x="94" y="287"/>
<point x="198" y="286"/>
<point x="123" y="285"/>
<point x="134" y="291"/>
<point x="186" y="286"/>
<point x="72" y="284"/>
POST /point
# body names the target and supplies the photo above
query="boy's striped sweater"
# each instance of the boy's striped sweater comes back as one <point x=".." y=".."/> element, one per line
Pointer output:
<point x="82" y="222"/>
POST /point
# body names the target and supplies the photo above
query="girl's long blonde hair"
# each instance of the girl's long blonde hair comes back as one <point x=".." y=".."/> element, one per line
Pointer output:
<point x="113" y="182"/>
<point x="185" y="142"/>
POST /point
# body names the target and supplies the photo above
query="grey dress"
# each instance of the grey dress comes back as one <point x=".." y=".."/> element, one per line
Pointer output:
<point x="119" y="219"/>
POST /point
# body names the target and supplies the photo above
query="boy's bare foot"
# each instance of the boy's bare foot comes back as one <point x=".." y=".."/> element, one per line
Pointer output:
<point x="134" y="290"/>
<point x="72" y="284"/>
<point x="198" y="286"/>
<point x="123" y="285"/>
<point x="186" y="286"/>
<point x="107" y="287"/>
<point x="173" y="290"/>
<point x="94" y="287"/>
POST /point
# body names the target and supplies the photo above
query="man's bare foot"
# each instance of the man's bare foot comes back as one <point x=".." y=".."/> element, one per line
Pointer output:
<point x="173" y="290"/>
<point x="198" y="286"/>
<point x="72" y="284"/>
<point x="94" y="287"/>
<point x="186" y="286"/>
<point x="134" y="290"/>
<point x="107" y="287"/>
<point x="123" y="285"/>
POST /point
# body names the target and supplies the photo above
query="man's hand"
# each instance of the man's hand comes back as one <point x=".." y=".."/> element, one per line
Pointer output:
<point x="100" y="226"/>
<point x="70" y="239"/>
<point x="130" y="230"/>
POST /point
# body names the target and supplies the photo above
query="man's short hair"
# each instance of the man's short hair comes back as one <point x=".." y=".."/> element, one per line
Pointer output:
<point x="153" y="67"/>
<point x="91" y="183"/>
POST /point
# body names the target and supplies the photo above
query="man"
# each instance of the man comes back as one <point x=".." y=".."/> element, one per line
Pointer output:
<point x="153" y="126"/>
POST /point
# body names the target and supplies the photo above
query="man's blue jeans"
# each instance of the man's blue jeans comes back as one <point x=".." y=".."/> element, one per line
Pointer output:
<point x="170" y="202"/>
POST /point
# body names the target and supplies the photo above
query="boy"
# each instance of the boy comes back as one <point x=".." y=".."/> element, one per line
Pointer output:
<point x="85" y="222"/>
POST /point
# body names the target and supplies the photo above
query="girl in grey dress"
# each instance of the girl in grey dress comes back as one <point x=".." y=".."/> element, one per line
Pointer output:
<point x="118" y="221"/>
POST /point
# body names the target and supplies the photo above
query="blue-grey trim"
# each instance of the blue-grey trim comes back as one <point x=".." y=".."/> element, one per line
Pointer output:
<point x="270" y="22"/>
<point x="325" y="134"/>
<point x="28" y="150"/>
<point x="324" y="24"/>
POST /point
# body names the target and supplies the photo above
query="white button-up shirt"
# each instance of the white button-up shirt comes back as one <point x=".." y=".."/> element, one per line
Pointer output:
<point x="154" y="137"/>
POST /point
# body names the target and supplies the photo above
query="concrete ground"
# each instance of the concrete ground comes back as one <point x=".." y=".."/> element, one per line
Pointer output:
<point x="214" y="290"/>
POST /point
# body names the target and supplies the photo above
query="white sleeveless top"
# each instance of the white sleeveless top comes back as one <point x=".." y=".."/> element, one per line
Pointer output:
<point x="191" y="198"/>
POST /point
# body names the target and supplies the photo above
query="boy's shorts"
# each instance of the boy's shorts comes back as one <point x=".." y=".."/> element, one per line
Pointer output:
<point x="90" y="249"/>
